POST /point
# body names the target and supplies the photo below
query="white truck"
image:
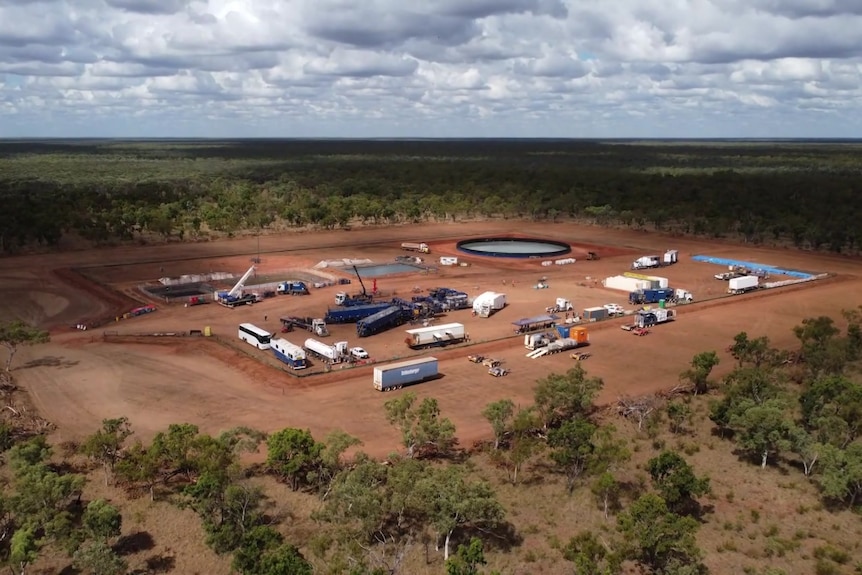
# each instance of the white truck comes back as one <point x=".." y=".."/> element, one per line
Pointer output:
<point x="670" y="257"/>
<point x="563" y="305"/>
<point x="335" y="353"/>
<point x="646" y="262"/>
<point x="488" y="302"/>
<point x="614" y="309"/>
<point x="416" y="247"/>
<point x="435" y="335"/>
<point x="742" y="284"/>
<point x="683" y="296"/>
<point x="358" y="353"/>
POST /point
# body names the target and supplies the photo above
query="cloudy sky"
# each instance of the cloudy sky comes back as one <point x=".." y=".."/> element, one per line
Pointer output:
<point x="432" y="68"/>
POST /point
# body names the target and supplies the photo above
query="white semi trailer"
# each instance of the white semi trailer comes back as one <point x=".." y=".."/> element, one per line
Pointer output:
<point x="335" y="353"/>
<point x="435" y="335"/>
<point x="741" y="285"/>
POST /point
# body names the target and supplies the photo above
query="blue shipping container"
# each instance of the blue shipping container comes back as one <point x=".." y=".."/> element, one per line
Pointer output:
<point x="397" y="375"/>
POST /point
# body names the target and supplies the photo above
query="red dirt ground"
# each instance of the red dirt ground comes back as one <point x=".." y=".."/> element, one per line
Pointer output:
<point x="79" y="379"/>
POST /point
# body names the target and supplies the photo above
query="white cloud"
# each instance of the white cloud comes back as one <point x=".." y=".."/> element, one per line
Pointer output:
<point x="577" y="68"/>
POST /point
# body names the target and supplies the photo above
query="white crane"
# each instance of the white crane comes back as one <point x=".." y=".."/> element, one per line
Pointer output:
<point x="237" y="289"/>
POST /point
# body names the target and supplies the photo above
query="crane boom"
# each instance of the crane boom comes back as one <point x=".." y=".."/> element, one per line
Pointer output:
<point x="241" y="283"/>
<point x="361" y="283"/>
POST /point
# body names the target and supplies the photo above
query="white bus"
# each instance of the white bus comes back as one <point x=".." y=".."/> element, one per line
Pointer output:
<point x="253" y="335"/>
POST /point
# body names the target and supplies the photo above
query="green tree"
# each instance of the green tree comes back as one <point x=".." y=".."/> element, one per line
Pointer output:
<point x="698" y="373"/>
<point x="677" y="414"/>
<point x="263" y="552"/>
<point x="763" y="430"/>
<point x="655" y="537"/>
<point x="499" y="414"/>
<point x="29" y="453"/>
<point x="379" y="509"/>
<point x="255" y="543"/>
<point x="456" y="503"/>
<point x="833" y="406"/>
<point x="43" y="496"/>
<point x="106" y="445"/>
<point x="572" y="448"/>
<point x="15" y="334"/>
<point x="336" y="445"/>
<point x="823" y="350"/>
<point x="23" y="549"/>
<point x="422" y="427"/>
<point x="97" y="558"/>
<point x="606" y="489"/>
<point x="753" y="352"/>
<point x="590" y="555"/>
<point x="467" y="559"/>
<point x="293" y="455"/>
<point x="174" y="450"/>
<point x="563" y="396"/>
<point x="524" y="444"/>
<point x="840" y="476"/>
<point x="141" y="465"/>
<point x="676" y="482"/>
<point x="228" y="509"/>
<point x="807" y="448"/>
<point x="284" y="560"/>
<point x="102" y="520"/>
<point x="744" y="387"/>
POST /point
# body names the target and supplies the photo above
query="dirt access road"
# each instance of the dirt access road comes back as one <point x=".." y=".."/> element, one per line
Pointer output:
<point x="79" y="379"/>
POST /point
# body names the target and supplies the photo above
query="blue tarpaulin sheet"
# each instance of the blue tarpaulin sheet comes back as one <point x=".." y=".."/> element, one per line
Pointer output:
<point x="752" y="266"/>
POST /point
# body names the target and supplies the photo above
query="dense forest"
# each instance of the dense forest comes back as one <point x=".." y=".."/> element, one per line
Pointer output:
<point x="801" y="193"/>
<point x="435" y="507"/>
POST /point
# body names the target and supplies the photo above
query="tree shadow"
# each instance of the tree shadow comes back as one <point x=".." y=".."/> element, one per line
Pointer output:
<point x="49" y="361"/>
<point x="69" y="570"/>
<point x="157" y="564"/>
<point x="134" y="543"/>
<point x="503" y="537"/>
<point x="631" y="490"/>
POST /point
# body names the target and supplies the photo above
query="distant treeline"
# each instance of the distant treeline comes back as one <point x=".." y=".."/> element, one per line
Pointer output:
<point x="109" y="191"/>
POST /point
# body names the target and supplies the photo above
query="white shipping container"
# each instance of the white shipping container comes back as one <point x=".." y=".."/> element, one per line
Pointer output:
<point x="743" y="283"/>
<point x="662" y="282"/>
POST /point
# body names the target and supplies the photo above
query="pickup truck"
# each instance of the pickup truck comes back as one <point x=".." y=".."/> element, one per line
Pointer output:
<point x="358" y="353"/>
<point x="614" y="309"/>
